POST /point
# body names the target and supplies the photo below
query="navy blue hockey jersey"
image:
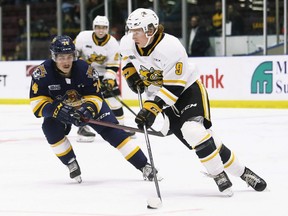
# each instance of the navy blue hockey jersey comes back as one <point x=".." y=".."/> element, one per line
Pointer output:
<point x="48" y="85"/>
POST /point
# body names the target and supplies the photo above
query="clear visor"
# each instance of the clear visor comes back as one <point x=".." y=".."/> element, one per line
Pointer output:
<point x="64" y="57"/>
<point x="101" y="27"/>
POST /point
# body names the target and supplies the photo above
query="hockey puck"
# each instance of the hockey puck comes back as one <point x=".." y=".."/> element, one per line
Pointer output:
<point x="154" y="203"/>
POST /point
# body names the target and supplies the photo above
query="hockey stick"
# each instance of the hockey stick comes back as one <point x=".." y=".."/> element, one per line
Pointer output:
<point x="123" y="127"/>
<point x="125" y="105"/>
<point x="152" y="202"/>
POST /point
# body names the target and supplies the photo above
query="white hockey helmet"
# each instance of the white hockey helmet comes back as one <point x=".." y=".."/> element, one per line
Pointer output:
<point x="100" y="21"/>
<point x="142" y="18"/>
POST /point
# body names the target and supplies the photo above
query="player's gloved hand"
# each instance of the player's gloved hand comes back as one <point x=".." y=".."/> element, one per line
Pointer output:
<point x="87" y="111"/>
<point x="147" y="114"/>
<point x="65" y="113"/>
<point x="108" y="84"/>
<point x="134" y="81"/>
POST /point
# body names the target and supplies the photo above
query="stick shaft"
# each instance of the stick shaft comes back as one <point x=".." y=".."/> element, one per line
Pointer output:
<point x="123" y="127"/>
<point x="125" y="105"/>
<point x="149" y="149"/>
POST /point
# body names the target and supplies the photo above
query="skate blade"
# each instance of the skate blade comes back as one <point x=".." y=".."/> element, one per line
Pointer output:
<point x="159" y="178"/>
<point x="228" y="192"/>
<point x="85" y="139"/>
<point x="78" y="179"/>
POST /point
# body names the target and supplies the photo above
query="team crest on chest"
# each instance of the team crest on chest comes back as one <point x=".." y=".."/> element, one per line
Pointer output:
<point x="100" y="59"/>
<point x="72" y="98"/>
<point x="151" y="76"/>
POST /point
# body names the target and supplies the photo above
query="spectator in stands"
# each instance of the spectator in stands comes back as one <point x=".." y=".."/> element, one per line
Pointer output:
<point x="236" y="20"/>
<point x="117" y="15"/>
<point x="67" y="7"/>
<point x="20" y="52"/>
<point x="170" y="14"/>
<point x="217" y="20"/>
<point x="198" y="40"/>
<point x="39" y="30"/>
<point x="68" y="22"/>
<point x="71" y="18"/>
<point x="91" y="7"/>
<point x="71" y="15"/>
<point x="22" y="30"/>
<point x="76" y="15"/>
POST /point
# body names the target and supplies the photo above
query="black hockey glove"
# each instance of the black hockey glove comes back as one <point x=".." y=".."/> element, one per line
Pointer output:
<point x="134" y="80"/>
<point x="108" y="84"/>
<point x="66" y="113"/>
<point x="87" y="111"/>
<point x="147" y="115"/>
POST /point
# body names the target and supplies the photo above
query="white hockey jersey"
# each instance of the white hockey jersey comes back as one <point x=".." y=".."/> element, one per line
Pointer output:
<point x="103" y="56"/>
<point x="166" y="56"/>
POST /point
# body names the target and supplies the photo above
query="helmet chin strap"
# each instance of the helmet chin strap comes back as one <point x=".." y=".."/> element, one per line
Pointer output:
<point x="148" y="41"/>
<point x="149" y="38"/>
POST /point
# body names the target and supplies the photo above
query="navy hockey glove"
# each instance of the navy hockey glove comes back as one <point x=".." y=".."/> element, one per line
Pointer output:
<point x="134" y="80"/>
<point x="87" y="111"/>
<point x="147" y="115"/>
<point x="108" y="84"/>
<point x="66" y="113"/>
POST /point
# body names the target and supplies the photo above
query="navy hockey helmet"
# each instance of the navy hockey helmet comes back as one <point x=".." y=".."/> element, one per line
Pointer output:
<point x="62" y="44"/>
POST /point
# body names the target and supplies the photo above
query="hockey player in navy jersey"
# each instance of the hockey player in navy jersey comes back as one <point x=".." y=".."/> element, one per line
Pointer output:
<point x="64" y="91"/>
<point x="157" y="63"/>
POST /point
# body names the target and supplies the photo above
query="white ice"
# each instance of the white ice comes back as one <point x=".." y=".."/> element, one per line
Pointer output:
<point x="34" y="182"/>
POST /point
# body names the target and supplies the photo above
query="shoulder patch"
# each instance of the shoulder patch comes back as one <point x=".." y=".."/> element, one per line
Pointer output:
<point x="39" y="72"/>
<point x="92" y="73"/>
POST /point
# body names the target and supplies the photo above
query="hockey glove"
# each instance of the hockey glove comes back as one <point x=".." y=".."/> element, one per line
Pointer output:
<point x="108" y="84"/>
<point x="134" y="80"/>
<point x="87" y="111"/>
<point x="66" y="114"/>
<point x="147" y="115"/>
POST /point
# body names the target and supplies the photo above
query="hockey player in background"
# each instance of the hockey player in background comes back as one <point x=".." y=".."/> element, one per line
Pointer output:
<point x="101" y="50"/>
<point x="157" y="63"/>
<point x="64" y="91"/>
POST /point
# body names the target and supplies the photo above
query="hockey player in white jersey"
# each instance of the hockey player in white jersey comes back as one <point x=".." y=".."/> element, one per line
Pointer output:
<point x="157" y="63"/>
<point x="101" y="50"/>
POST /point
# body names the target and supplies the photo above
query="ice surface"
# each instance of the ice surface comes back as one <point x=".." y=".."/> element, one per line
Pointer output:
<point x="34" y="182"/>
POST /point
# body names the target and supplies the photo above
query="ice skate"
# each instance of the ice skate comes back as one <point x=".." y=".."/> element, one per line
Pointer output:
<point x="74" y="170"/>
<point x="224" y="184"/>
<point x="253" y="180"/>
<point x="148" y="173"/>
<point x="85" y="135"/>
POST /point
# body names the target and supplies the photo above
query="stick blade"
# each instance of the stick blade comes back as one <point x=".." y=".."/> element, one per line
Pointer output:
<point x="154" y="203"/>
